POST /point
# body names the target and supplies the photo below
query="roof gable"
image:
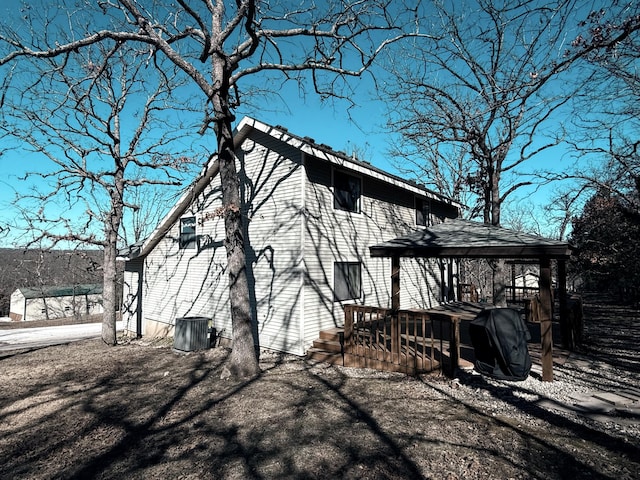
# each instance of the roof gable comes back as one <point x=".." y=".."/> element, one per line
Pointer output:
<point x="309" y="146"/>
<point x="304" y="144"/>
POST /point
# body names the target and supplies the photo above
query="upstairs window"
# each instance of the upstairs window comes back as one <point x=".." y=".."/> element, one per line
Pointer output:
<point x="423" y="212"/>
<point x="188" y="232"/>
<point x="347" y="280"/>
<point x="346" y="191"/>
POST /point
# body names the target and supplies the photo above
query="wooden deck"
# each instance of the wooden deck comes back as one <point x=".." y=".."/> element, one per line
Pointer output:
<point x="413" y="341"/>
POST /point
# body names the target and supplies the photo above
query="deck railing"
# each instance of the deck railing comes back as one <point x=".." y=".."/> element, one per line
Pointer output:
<point x="409" y="341"/>
<point x="467" y="292"/>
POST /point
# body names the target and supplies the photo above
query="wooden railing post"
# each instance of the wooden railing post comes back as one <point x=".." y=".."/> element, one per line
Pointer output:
<point x="348" y="329"/>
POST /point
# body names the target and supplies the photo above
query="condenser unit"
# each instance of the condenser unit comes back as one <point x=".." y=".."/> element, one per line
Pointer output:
<point x="191" y="333"/>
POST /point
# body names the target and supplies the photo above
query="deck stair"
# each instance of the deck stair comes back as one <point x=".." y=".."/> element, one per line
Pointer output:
<point x="328" y="347"/>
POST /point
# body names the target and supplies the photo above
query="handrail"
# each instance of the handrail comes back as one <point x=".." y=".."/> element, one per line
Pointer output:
<point x="409" y="341"/>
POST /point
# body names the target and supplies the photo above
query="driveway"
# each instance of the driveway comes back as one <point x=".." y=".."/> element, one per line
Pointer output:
<point x="22" y="338"/>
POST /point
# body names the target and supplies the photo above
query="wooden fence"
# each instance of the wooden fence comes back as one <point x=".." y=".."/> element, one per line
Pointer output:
<point x="408" y="341"/>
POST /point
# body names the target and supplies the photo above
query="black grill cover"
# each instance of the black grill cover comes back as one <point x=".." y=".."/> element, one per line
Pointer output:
<point x="499" y="337"/>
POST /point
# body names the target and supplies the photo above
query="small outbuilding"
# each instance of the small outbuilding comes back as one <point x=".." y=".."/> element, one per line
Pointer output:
<point x="55" y="301"/>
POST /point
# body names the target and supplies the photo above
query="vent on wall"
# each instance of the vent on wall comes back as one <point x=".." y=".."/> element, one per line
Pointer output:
<point x="191" y="333"/>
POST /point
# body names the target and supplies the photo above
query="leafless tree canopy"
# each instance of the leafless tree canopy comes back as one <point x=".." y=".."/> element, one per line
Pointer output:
<point x="101" y="120"/>
<point x="605" y="116"/>
<point x="477" y="102"/>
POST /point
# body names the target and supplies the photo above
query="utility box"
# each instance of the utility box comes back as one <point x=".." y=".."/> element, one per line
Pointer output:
<point x="191" y="334"/>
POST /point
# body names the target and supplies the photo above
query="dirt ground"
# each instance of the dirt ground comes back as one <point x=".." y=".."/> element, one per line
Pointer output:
<point x="141" y="411"/>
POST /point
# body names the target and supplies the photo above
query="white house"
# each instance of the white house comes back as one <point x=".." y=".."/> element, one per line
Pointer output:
<point x="311" y="214"/>
<point x="56" y="301"/>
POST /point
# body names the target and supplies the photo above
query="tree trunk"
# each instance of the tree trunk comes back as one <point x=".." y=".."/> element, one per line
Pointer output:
<point x="243" y="361"/>
<point x="109" y="294"/>
<point x="109" y="266"/>
<point x="499" y="271"/>
<point x="499" y="283"/>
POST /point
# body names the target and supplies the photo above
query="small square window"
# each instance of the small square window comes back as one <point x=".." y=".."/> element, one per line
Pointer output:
<point x="346" y="191"/>
<point x="423" y="212"/>
<point x="347" y="282"/>
<point x="188" y="232"/>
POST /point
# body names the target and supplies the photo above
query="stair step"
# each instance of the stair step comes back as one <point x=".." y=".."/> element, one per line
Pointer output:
<point x="333" y="334"/>
<point x="324" y="356"/>
<point x="328" y="345"/>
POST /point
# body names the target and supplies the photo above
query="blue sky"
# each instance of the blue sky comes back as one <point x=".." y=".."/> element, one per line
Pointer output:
<point x="361" y="127"/>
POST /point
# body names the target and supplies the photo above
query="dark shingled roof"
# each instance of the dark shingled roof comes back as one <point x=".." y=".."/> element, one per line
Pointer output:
<point x="48" y="291"/>
<point x="465" y="239"/>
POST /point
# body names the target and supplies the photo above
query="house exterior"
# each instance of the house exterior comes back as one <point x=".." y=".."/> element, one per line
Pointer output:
<point x="55" y="301"/>
<point x="526" y="279"/>
<point x="311" y="213"/>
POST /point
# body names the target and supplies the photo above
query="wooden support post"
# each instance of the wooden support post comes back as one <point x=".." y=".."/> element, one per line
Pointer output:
<point x="450" y="291"/>
<point x="546" y="320"/>
<point x="442" y="281"/>
<point x="454" y="344"/>
<point x="395" y="283"/>
<point x="566" y="326"/>
<point x="395" y="307"/>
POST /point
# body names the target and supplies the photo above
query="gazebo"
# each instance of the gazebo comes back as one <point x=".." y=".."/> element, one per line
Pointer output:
<point x="456" y="239"/>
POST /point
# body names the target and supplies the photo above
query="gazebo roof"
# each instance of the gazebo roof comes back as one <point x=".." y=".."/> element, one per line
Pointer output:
<point x="457" y="238"/>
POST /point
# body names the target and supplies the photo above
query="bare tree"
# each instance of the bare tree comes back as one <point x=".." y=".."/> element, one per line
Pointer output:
<point x="220" y="45"/>
<point x="479" y="94"/>
<point x="148" y="206"/>
<point x="485" y="92"/>
<point x="99" y="115"/>
<point x="606" y="113"/>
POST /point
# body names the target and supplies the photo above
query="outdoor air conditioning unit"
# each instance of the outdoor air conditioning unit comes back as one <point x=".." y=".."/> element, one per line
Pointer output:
<point x="191" y="333"/>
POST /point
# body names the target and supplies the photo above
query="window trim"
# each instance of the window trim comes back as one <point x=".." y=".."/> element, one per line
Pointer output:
<point x="425" y="211"/>
<point x="337" y="203"/>
<point x="188" y="240"/>
<point x="353" y="293"/>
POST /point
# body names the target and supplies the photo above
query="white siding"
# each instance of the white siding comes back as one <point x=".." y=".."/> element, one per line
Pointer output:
<point x="272" y="193"/>
<point x="132" y="284"/>
<point x="17" y="308"/>
<point x="333" y="235"/>
<point x="188" y="282"/>
<point x="294" y="235"/>
<point x="194" y="282"/>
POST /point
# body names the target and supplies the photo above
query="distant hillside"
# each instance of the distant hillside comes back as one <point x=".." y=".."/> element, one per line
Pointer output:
<point x="29" y="268"/>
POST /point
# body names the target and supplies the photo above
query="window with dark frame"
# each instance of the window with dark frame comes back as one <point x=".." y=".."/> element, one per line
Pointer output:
<point x="346" y="191"/>
<point x="423" y="212"/>
<point x="188" y="233"/>
<point x="347" y="280"/>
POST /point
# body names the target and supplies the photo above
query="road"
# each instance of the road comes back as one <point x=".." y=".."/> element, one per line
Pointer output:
<point x="21" y="338"/>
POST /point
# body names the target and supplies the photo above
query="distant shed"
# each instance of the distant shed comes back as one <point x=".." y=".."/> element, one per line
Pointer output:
<point x="56" y="301"/>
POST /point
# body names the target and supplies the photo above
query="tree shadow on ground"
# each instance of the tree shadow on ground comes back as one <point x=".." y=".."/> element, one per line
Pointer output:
<point x="134" y="411"/>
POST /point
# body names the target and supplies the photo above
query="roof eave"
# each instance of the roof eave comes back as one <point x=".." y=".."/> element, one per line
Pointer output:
<point x="532" y="251"/>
